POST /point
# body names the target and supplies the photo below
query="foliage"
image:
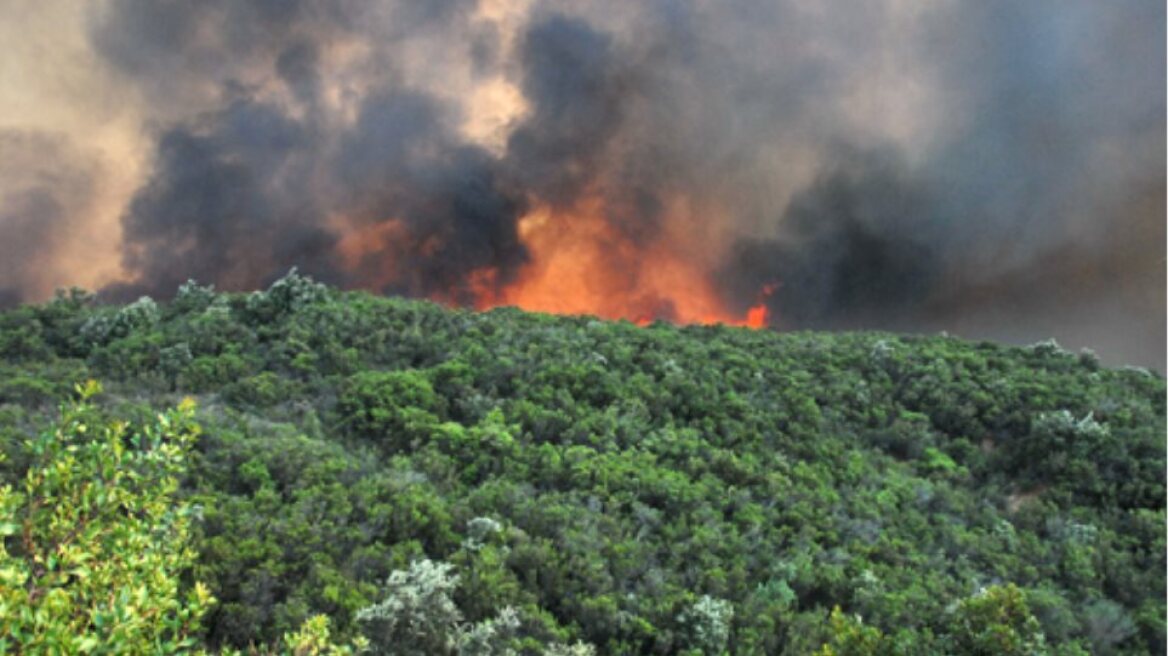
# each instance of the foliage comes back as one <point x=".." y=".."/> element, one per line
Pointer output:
<point x="996" y="621"/>
<point x="94" y="543"/>
<point x="418" y="616"/>
<point x="140" y="315"/>
<point x="850" y="637"/>
<point x="708" y="623"/>
<point x="313" y="639"/>
<point x="285" y="296"/>
<point x="629" y="487"/>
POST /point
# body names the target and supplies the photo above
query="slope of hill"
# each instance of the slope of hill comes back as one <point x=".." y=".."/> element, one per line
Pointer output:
<point x="646" y="490"/>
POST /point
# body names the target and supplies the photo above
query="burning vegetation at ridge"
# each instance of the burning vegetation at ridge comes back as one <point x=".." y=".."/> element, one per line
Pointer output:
<point x="975" y="165"/>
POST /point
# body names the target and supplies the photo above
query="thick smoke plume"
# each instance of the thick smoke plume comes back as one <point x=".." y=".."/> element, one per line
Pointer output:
<point x="987" y="167"/>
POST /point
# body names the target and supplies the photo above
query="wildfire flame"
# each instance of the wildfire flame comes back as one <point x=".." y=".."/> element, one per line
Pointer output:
<point x="758" y="316"/>
<point x="581" y="264"/>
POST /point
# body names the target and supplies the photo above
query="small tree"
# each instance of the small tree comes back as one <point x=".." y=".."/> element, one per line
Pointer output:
<point x="849" y="636"/>
<point x="418" y="615"/>
<point x="1108" y="625"/>
<point x="94" y="544"/>
<point x="708" y="624"/>
<point x="314" y="638"/>
<point x="996" y="621"/>
<point x="101" y="329"/>
<point x="286" y="296"/>
<point x="192" y="298"/>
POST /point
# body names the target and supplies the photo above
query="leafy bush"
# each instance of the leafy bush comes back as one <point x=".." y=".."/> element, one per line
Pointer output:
<point x="418" y="616"/>
<point x="288" y="295"/>
<point x="140" y="315"/>
<point x="102" y="541"/>
<point x="392" y="407"/>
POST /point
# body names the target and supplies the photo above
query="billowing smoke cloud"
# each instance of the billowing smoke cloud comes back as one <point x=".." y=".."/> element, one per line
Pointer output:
<point x="229" y="200"/>
<point x="1038" y="207"/>
<point x="573" y="79"/>
<point x="452" y="201"/>
<point x="856" y="247"/>
<point x="993" y="168"/>
<point x="275" y="173"/>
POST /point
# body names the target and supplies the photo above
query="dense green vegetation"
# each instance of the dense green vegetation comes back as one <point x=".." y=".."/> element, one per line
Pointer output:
<point x="507" y="480"/>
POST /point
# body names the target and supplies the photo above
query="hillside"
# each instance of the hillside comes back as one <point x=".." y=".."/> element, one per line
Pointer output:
<point x="645" y="490"/>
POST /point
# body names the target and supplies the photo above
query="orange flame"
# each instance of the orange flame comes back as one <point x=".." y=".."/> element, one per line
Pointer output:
<point x="758" y="316"/>
<point x="581" y="264"/>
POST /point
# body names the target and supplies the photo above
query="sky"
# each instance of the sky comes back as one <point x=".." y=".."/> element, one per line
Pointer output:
<point x="991" y="169"/>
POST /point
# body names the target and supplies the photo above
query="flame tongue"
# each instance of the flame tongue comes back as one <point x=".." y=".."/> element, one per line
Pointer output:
<point x="758" y="316"/>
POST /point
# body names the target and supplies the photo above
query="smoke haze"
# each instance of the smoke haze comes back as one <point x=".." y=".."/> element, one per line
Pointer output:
<point x="991" y="168"/>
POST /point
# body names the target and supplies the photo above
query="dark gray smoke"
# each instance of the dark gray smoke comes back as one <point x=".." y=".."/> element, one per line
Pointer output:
<point x="572" y="76"/>
<point x="856" y="249"/>
<point x="988" y="167"/>
<point x="459" y="211"/>
<point x="230" y="199"/>
<point x="257" y="184"/>
<point x="1040" y="212"/>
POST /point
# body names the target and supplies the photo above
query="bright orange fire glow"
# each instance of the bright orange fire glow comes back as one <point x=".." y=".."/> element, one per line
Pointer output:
<point x="756" y="316"/>
<point x="581" y="264"/>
